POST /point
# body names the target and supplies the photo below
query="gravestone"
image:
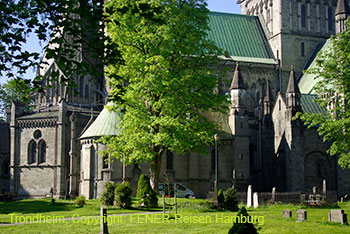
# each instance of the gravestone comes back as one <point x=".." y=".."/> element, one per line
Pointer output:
<point x="301" y="215"/>
<point x="249" y="196"/>
<point x="314" y="190"/>
<point x="287" y="213"/>
<point x="103" y="226"/>
<point x="273" y="199"/>
<point x="337" y="216"/>
<point x="255" y="200"/>
<point x="324" y="187"/>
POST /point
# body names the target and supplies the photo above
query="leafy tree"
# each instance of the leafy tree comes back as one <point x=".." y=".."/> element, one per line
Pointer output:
<point x="19" y="90"/>
<point x="166" y="80"/>
<point x="145" y="192"/>
<point x="63" y="26"/>
<point x="123" y="193"/>
<point x="333" y="84"/>
<point x="108" y="194"/>
<point x="245" y="224"/>
<point x="231" y="200"/>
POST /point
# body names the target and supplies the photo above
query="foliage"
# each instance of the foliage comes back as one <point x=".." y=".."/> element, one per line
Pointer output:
<point x="243" y="227"/>
<point x="123" y="193"/>
<point x="107" y="196"/>
<point x="231" y="200"/>
<point x="166" y="80"/>
<point x="60" y="26"/>
<point x="81" y="200"/>
<point x="145" y="192"/>
<point x="18" y="90"/>
<point x="221" y="198"/>
<point x="333" y="84"/>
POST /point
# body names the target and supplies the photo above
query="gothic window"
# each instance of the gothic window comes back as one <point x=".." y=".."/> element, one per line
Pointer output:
<point x="75" y="91"/>
<point x="86" y="91"/>
<point x="42" y="151"/>
<point x="81" y="86"/>
<point x="302" y="49"/>
<point x="105" y="161"/>
<point x="37" y="134"/>
<point x="169" y="160"/>
<point x="303" y="19"/>
<point x="31" y="152"/>
<point x="330" y="19"/>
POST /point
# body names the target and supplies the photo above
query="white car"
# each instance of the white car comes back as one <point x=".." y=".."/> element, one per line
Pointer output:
<point x="180" y="190"/>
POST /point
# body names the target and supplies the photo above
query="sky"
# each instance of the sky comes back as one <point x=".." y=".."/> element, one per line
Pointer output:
<point x="228" y="6"/>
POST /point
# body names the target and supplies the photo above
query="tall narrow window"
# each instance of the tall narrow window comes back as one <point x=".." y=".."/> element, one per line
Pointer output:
<point x="105" y="161"/>
<point x="81" y="86"/>
<point x="42" y="151"/>
<point x="303" y="19"/>
<point x="86" y="91"/>
<point x="330" y="19"/>
<point x="169" y="160"/>
<point x="302" y="49"/>
<point x="31" y="152"/>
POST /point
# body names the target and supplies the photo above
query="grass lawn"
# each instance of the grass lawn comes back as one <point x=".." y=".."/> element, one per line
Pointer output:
<point x="199" y="218"/>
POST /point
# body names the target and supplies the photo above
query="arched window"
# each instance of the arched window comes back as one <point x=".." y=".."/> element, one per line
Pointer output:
<point x="81" y="86"/>
<point x="105" y="161"/>
<point x="169" y="160"/>
<point x="302" y="49"/>
<point x="86" y="91"/>
<point x="330" y="19"/>
<point x="31" y="152"/>
<point x="303" y="19"/>
<point x="42" y="151"/>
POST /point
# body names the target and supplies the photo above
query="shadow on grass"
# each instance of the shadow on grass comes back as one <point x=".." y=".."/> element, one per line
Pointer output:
<point x="35" y="206"/>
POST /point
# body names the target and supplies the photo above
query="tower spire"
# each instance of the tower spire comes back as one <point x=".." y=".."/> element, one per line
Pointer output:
<point x="267" y="99"/>
<point x="293" y="93"/>
<point x="237" y="80"/>
<point x="341" y="14"/>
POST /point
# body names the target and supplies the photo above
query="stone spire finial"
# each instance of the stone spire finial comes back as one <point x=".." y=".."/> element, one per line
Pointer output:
<point x="342" y="8"/>
<point x="237" y="80"/>
<point x="292" y="84"/>
<point x="341" y="14"/>
<point x="267" y="97"/>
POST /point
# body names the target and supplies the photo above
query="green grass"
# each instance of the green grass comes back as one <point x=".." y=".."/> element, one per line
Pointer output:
<point x="273" y="222"/>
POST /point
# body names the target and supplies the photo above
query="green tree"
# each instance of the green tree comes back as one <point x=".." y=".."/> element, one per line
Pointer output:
<point x="63" y="26"/>
<point x="18" y="90"/>
<point x="333" y="84"/>
<point x="145" y="192"/>
<point x="244" y="225"/>
<point x="166" y="81"/>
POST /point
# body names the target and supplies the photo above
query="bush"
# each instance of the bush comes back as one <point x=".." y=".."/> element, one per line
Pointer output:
<point x="231" y="201"/>
<point x="221" y="198"/>
<point x="243" y="227"/>
<point x="145" y="192"/>
<point x="107" y="196"/>
<point x="123" y="193"/>
<point x="80" y="200"/>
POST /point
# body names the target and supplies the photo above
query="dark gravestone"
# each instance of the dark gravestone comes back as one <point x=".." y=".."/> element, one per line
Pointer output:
<point x="301" y="215"/>
<point x="104" y="226"/>
<point x="337" y="216"/>
<point x="287" y="213"/>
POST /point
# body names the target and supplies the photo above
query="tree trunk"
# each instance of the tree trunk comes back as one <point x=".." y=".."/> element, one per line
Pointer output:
<point x="154" y="171"/>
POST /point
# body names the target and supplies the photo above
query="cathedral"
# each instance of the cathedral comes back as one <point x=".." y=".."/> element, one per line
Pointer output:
<point x="55" y="148"/>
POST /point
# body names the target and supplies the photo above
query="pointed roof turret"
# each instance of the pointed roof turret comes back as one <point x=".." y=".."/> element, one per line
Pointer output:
<point x="292" y="84"/>
<point x="342" y="8"/>
<point x="267" y="97"/>
<point x="237" y="80"/>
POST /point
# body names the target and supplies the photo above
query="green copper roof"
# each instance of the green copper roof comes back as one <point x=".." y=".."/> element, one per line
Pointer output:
<point x="309" y="105"/>
<point x="239" y="35"/>
<point x="307" y="82"/>
<point x="104" y="125"/>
